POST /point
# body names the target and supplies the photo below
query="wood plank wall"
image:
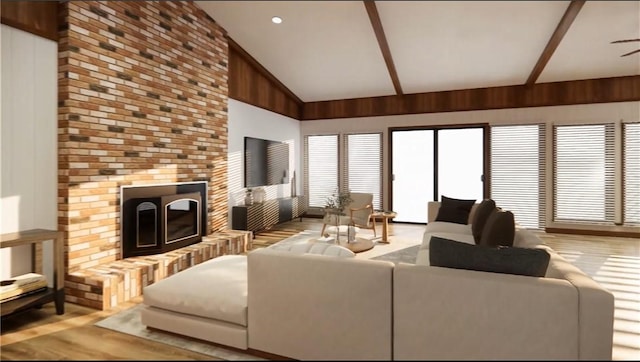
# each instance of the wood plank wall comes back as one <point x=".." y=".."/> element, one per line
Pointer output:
<point x="251" y="83"/>
<point x="36" y="17"/>
<point x="604" y="90"/>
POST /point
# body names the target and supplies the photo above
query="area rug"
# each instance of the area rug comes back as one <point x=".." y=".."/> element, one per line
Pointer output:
<point x="406" y="255"/>
<point x="128" y="321"/>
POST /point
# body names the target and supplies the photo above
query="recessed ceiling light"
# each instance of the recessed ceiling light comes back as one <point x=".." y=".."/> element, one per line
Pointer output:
<point x="276" y="20"/>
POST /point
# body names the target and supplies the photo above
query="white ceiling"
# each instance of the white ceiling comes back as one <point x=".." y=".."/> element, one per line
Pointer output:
<point x="327" y="50"/>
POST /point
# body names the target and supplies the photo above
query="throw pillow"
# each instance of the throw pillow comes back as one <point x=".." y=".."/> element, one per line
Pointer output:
<point x="483" y="211"/>
<point x="454" y="210"/>
<point x="499" y="230"/>
<point x="508" y="260"/>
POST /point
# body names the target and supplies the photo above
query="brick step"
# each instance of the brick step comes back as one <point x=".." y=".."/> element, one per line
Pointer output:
<point x="107" y="285"/>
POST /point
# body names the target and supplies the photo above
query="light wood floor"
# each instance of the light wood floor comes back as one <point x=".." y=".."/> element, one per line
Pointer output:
<point x="43" y="335"/>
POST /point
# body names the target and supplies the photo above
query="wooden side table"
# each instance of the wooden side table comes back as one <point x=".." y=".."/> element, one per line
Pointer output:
<point x="55" y="294"/>
<point x="385" y="216"/>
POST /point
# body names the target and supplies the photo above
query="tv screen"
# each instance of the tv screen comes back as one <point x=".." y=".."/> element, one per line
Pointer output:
<point x="266" y="162"/>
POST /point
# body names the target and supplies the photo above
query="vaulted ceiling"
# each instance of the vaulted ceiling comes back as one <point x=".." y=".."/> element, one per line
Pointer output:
<point x="328" y="50"/>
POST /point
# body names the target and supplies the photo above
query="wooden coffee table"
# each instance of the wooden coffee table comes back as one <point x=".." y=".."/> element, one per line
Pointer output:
<point x="358" y="246"/>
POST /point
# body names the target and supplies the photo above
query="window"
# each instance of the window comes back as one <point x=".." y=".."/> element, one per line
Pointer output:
<point x="321" y="168"/>
<point x="363" y="170"/>
<point x="360" y="166"/>
<point x="584" y="160"/>
<point x="631" y="173"/>
<point x="517" y="172"/>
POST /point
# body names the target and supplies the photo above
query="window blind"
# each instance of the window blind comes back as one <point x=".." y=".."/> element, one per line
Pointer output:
<point x="584" y="162"/>
<point x="321" y="168"/>
<point x="631" y="173"/>
<point x="518" y="172"/>
<point x="364" y="165"/>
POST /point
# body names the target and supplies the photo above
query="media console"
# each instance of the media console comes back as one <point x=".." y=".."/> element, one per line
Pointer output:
<point x="260" y="216"/>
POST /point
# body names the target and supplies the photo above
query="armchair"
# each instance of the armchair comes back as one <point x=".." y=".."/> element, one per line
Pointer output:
<point x="359" y="212"/>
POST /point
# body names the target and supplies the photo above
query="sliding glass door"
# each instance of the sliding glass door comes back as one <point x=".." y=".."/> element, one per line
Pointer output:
<point x="460" y="163"/>
<point x="429" y="163"/>
<point x="412" y="175"/>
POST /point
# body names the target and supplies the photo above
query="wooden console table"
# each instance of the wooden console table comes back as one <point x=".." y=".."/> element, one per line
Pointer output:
<point x="55" y="294"/>
<point x="260" y="216"/>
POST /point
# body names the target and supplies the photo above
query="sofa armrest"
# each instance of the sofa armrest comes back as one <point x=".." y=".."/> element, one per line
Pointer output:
<point x="596" y="309"/>
<point x="443" y="314"/>
<point x="315" y="307"/>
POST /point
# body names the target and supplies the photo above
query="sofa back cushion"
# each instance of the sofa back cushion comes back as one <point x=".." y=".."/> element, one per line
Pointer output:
<point x="483" y="211"/>
<point x="460" y="315"/>
<point x="311" y="307"/>
<point x="508" y="260"/>
<point x="455" y="210"/>
<point x="318" y="248"/>
<point x="499" y="230"/>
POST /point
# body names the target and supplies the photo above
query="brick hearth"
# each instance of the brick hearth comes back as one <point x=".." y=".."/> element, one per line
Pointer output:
<point x="107" y="285"/>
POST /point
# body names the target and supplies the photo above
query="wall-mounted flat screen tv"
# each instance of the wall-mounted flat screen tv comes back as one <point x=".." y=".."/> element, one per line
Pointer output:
<point x="266" y="162"/>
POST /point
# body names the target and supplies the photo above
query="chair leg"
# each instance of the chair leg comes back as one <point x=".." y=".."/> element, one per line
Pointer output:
<point x="373" y="222"/>
<point x="322" y="232"/>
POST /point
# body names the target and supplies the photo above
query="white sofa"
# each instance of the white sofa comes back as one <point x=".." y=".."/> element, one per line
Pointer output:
<point x="306" y="306"/>
<point x="460" y="232"/>
<point x="210" y="301"/>
<point x="566" y="314"/>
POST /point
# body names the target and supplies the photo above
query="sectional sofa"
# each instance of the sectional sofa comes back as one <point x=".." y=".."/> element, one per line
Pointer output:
<point x="564" y="315"/>
<point x="306" y="304"/>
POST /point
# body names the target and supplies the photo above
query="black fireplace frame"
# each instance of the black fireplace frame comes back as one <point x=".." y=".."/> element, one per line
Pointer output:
<point x="130" y="194"/>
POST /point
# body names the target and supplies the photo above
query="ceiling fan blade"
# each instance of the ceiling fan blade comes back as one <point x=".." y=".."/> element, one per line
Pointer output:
<point x="629" y="53"/>
<point x="624" y="41"/>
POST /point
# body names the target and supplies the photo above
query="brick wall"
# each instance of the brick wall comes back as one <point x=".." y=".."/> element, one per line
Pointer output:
<point x="142" y="100"/>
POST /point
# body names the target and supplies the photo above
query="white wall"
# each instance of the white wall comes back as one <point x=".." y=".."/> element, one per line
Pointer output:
<point x="251" y="121"/>
<point x="587" y="113"/>
<point x="28" y="131"/>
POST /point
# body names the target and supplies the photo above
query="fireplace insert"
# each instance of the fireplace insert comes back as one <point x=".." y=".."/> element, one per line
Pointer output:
<point x="160" y="218"/>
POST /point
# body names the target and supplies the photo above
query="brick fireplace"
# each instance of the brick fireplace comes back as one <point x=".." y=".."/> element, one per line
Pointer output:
<point x="142" y="100"/>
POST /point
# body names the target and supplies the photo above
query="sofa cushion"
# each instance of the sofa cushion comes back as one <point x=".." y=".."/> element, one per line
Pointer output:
<point x="499" y="230"/>
<point x="215" y="289"/>
<point x="319" y="248"/>
<point x="480" y="217"/>
<point x="447" y="227"/>
<point x="454" y="210"/>
<point x="526" y="239"/>
<point x="509" y="260"/>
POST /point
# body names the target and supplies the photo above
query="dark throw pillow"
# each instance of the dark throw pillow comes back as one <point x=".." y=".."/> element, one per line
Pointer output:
<point x="480" y="217"/>
<point x="499" y="229"/>
<point x="454" y="210"/>
<point x="507" y="260"/>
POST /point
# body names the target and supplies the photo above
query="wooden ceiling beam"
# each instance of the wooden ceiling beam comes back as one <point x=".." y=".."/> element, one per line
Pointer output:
<point x="567" y="19"/>
<point x="372" y="10"/>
